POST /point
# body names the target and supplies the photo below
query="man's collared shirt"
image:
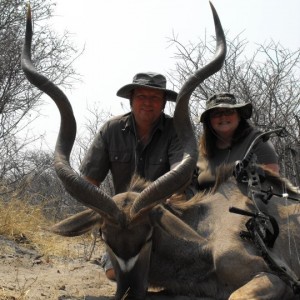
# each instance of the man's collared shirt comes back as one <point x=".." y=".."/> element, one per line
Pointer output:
<point x="117" y="148"/>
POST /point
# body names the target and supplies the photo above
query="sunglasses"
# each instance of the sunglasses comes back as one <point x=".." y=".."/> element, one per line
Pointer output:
<point x="216" y="113"/>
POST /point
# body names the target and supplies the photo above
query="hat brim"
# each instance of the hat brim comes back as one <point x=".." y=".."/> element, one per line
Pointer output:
<point x="244" y="109"/>
<point x="126" y="91"/>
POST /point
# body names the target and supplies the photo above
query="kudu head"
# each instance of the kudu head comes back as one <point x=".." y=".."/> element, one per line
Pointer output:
<point x="127" y="220"/>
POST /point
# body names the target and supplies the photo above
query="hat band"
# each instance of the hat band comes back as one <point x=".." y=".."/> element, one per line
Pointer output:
<point x="221" y="98"/>
<point x="156" y="85"/>
<point x="150" y="84"/>
<point x="228" y="100"/>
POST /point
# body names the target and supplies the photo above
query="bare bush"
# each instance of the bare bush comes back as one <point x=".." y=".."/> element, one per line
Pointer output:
<point x="53" y="54"/>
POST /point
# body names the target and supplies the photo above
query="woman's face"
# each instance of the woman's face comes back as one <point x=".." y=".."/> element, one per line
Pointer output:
<point x="224" y="121"/>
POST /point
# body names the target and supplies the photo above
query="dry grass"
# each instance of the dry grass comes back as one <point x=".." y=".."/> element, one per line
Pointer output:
<point x="20" y="292"/>
<point x="25" y="223"/>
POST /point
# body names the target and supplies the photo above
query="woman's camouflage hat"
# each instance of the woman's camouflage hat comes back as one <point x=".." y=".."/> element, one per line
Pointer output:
<point x="227" y="100"/>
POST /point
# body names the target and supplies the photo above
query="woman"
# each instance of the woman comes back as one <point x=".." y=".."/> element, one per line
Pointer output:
<point x="227" y="136"/>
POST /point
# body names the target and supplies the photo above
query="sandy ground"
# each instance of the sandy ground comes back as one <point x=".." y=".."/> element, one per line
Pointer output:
<point x="25" y="274"/>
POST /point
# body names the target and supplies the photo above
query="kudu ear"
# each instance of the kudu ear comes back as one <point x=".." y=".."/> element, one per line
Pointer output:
<point x="77" y="224"/>
<point x="173" y="226"/>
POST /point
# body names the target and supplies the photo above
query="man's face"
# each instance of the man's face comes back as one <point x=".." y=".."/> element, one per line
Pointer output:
<point x="147" y="105"/>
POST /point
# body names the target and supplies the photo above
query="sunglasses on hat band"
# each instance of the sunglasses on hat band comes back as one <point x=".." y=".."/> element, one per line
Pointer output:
<point x="216" y="113"/>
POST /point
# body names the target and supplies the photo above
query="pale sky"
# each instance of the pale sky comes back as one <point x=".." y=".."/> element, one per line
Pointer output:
<point x="124" y="37"/>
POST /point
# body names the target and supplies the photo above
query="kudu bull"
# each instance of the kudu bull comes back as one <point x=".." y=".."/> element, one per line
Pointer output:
<point x="150" y="242"/>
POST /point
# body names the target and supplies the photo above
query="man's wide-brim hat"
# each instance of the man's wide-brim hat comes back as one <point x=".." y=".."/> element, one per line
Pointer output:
<point x="147" y="80"/>
<point x="227" y="100"/>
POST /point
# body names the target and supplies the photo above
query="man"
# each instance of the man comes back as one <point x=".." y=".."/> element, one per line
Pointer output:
<point x="142" y="142"/>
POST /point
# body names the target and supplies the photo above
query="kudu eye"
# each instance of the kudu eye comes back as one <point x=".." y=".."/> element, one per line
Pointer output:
<point x="103" y="236"/>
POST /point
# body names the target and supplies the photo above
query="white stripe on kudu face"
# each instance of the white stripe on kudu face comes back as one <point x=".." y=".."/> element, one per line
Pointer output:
<point x="126" y="266"/>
